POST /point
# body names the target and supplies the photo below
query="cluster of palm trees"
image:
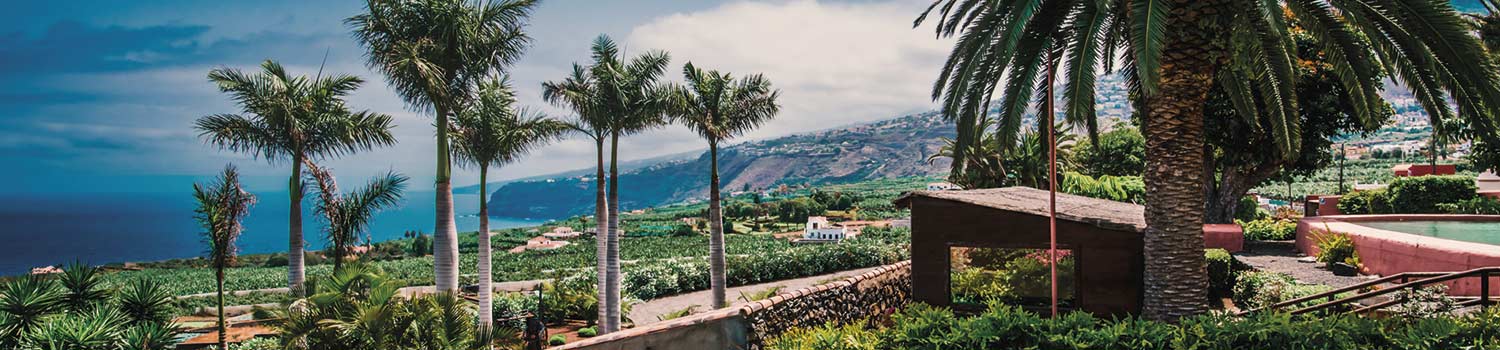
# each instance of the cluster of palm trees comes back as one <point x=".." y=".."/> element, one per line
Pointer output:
<point x="613" y="97"/>
<point x="450" y="58"/>
<point x="1173" y="52"/>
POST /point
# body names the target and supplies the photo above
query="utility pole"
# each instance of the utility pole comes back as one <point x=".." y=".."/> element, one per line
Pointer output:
<point x="1341" y="156"/>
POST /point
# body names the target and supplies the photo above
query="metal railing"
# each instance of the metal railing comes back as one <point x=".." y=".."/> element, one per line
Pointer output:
<point x="1403" y="281"/>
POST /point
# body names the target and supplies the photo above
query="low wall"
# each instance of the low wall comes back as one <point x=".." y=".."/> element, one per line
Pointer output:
<point x="1384" y="252"/>
<point x="748" y="326"/>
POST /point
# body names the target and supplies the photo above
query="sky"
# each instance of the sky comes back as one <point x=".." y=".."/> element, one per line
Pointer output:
<point x="100" y="96"/>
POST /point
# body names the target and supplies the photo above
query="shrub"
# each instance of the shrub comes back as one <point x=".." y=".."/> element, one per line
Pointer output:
<point x="1365" y="202"/>
<point x="1269" y="229"/>
<point x="1220" y="270"/>
<point x="1334" y="247"/>
<point x="829" y="336"/>
<point x="1258" y="289"/>
<point x="557" y="339"/>
<point x="1423" y="194"/>
<point x="588" y="332"/>
<point x="1477" y="205"/>
<point x="1247" y="210"/>
<point x="259" y="343"/>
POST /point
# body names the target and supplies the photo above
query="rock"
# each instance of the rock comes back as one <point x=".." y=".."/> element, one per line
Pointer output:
<point x="1307" y="259"/>
<point x="1342" y="269"/>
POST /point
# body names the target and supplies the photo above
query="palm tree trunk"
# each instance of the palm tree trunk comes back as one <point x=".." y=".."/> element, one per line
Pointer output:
<point x="296" y="271"/>
<point x="612" y="244"/>
<point x="1176" y="281"/>
<point x="223" y="328"/>
<point x="716" y="277"/>
<point x="445" y="242"/>
<point x="601" y="220"/>
<point x="486" y="289"/>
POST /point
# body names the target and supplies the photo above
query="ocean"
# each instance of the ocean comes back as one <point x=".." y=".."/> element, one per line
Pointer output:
<point x="40" y="230"/>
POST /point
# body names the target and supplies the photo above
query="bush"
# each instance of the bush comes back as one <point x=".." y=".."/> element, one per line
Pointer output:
<point x="1221" y="268"/>
<point x="1478" y="205"/>
<point x="1365" y="202"/>
<point x="557" y="339"/>
<point x="1248" y="209"/>
<point x="588" y="332"/>
<point x="1269" y="229"/>
<point x="1008" y="327"/>
<point x="259" y="343"/>
<point x="1336" y="247"/>
<point x="1258" y="289"/>
<point x="1423" y="194"/>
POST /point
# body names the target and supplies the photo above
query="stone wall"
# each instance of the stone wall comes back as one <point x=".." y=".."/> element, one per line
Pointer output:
<point x="881" y="291"/>
<point x="748" y="326"/>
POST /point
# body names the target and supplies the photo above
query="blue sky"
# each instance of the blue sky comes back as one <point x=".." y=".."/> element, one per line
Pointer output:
<point x="100" y="95"/>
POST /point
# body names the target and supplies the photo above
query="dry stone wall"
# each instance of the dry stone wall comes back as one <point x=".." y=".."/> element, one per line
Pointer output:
<point x="878" y="292"/>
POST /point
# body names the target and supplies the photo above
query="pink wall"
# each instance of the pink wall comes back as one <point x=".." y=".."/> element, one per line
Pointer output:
<point x="1227" y="236"/>
<point x="1384" y="252"/>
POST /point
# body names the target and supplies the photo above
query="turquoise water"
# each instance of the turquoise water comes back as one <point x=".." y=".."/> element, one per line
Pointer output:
<point x="1468" y="231"/>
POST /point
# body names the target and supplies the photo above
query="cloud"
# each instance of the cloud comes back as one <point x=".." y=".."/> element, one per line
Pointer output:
<point x="75" y="47"/>
<point x="835" y="63"/>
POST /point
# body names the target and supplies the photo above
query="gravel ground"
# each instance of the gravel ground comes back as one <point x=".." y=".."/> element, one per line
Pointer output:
<point x="1283" y="257"/>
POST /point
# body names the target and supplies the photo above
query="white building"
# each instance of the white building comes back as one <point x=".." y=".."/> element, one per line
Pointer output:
<point x="943" y="186"/>
<point x="818" y="228"/>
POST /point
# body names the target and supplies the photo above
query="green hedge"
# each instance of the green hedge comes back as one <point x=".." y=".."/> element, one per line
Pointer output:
<point x="1007" y="327"/>
<point x="1479" y="205"/>
<point x="1221" y="269"/>
<point x="1413" y="195"/>
<point x="1269" y="229"/>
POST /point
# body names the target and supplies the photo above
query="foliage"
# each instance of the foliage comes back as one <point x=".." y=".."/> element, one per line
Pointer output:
<point x="1365" y="202"/>
<point x="24" y="304"/>
<point x="1477" y="205"/>
<point x="35" y="314"/>
<point x="1119" y="152"/>
<point x="761" y="294"/>
<point x="922" y="327"/>
<point x="1128" y="189"/>
<point x="557" y="339"/>
<point x="145" y="301"/>
<point x="1248" y="210"/>
<point x="1221" y="271"/>
<point x="679" y="313"/>
<point x="1426" y="302"/>
<point x="1258" y="289"/>
<point x="82" y="287"/>
<point x="347" y="215"/>
<point x="1335" y="247"/>
<point x="588" y="332"/>
<point x="261" y="343"/>
<point x="1269" y="229"/>
<point x="1423" y="194"/>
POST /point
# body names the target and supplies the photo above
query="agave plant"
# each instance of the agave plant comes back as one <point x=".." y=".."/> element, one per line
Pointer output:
<point x="145" y="301"/>
<point x="83" y="287"/>
<point x="97" y="329"/>
<point x="24" y="303"/>
<point x="149" y="336"/>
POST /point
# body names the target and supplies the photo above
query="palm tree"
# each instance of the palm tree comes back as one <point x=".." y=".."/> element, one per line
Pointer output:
<point x="718" y="108"/>
<point x="348" y="215"/>
<point x="221" y="206"/>
<point x="579" y="92"/>
<point x="1174" y="51"/>
<point x="632" y="101"/>
<point x="434" y="52"/>
<point x="294" y="119"/>
<point x="493" y="131"/>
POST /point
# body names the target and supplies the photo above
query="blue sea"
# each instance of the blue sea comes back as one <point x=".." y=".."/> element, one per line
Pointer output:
<point x="49" y="229"/>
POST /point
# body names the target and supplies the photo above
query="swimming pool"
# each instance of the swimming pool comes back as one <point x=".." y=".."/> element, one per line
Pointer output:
<point x="1468" y="231"/>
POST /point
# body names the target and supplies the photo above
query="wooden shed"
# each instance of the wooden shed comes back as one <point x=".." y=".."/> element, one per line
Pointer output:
<point x="1104" y="239"/>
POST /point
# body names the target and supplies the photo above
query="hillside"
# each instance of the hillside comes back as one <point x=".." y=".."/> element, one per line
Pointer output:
<point x="885" y="149"/>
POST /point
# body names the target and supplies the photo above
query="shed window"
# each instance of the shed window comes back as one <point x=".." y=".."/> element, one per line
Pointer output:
<point x="1011" y="275"/>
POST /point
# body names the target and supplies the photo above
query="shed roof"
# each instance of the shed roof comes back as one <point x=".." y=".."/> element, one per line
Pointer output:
<point x="1098" y="212"/>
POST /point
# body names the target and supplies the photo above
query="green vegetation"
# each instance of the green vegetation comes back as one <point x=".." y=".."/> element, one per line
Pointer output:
<point x="689" y="310"/>
<point x="1417" y="195"/>
<point x="1258" y="289"/>
<point x="1008" y="327"/>
<point x="1335" y="248"/>
<point x="76" y="311"/>
<point x="1222" y="270"/>
<point x="1269" y="229"/>
<point x="557" y="339"/>
<point x="588" y="332"/>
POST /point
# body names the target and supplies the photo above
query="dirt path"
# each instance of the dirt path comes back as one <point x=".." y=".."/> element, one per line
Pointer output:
<point x="1283" y="257"/>
<point x="645" y="313"/>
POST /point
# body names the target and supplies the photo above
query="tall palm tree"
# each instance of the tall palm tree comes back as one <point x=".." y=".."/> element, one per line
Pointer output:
<point x="633" y="102"/>
<point x="494" y="131"/>
<point x="434" y="52"/>
<point x="579" y="92"/>
<point x="1174" y="51"/>
<point x="221" y="206"/>
<point x="349" y="214"/>
<point x="719" y="107"/>
<point x="296" y="119"/>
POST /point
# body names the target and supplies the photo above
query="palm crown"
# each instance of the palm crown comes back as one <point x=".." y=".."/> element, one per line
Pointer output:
<point x="1424" y="43"/>
<point x="221" y="206"/>
<point x="718" y="107"/>
<point x="349" y="214"/>
<point x="628" y="92"/>
<point x="292" y="116"/>
<point x="495" y="131"/>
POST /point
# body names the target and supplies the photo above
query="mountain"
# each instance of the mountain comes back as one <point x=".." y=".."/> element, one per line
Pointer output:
<point x="891" y="148"/>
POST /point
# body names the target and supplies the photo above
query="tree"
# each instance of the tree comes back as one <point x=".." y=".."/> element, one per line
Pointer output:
<point x="221" y="206"/>
<point x="494" y="131"/>
<point x="293" y="119"/>
<point x="433" y="53"/>
<point x="719" y="107"/>
<point x="1118" y="152"/>
<point x="990" y="164"/>
<point x="631" y="101"/>
<point x="579" y="92"/>
<point x="349" y="214"/>
<point x="1173" y="51"/>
